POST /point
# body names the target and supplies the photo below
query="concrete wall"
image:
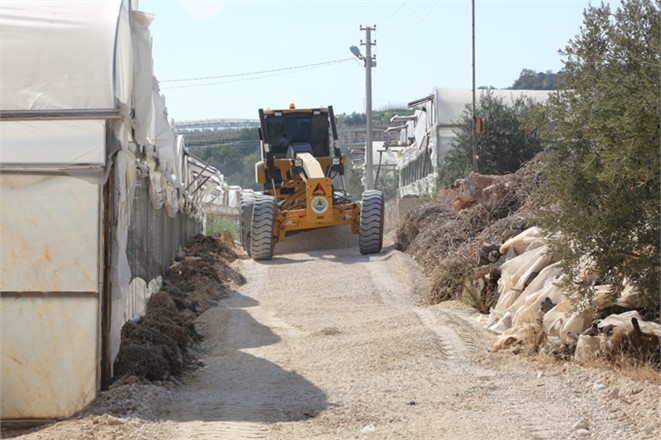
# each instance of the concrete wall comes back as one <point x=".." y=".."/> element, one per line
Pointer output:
<point x="396" y="210"/>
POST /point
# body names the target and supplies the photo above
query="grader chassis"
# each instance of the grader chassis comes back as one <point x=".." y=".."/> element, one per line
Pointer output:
<point x="302" y="173"/>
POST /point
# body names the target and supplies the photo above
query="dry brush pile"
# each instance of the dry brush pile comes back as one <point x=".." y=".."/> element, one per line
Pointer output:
<point x="456" y="237"/>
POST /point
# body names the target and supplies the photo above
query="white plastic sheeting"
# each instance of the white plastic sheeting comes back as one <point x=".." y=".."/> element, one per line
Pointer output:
<point x="529" y="279"/>
<point x="58" y="55"/>
<point x="53" y="143"/>
<point x="449" y="104"/>
<point x="50" y="234"/>
<point x="78" y="103"/>
<point x="58" y="373"/>
<point x="143" y="123"/>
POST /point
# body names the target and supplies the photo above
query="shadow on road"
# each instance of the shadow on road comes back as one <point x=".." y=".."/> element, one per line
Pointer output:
<point x="245" y="378"/>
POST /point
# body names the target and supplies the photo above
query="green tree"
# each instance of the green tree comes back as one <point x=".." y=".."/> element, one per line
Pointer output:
<point x="601" y="175"/>
<point x="502" y="149"/>
<point x="234" y="152"/>
<point x="531" y="80"/>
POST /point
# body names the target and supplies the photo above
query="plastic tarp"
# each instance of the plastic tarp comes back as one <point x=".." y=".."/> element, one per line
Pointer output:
<point x="388" y="157"/>
<point x="48" y="338"/>
<point x="40" y="213"/>
<point x="49" y="354"/>
<point x="58" y="55"/>
<point x="143" y="76"/>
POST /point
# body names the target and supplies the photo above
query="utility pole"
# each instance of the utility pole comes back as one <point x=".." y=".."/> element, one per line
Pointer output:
<point x="370" y="62"/>
<point x="474" y="115"/>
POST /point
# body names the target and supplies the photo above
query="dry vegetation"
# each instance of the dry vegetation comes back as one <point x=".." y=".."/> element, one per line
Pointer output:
<point x="450" y="236"/>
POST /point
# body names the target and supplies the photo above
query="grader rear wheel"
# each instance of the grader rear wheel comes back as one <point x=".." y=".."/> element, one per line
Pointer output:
<point x="370" y="236"/>
<point x="261" y="232"/>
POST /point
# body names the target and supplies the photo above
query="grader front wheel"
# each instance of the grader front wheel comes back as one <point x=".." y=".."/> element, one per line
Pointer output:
<point x="370" y="236"/>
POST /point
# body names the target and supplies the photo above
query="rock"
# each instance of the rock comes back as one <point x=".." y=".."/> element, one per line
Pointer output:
<point x="488" y="253"/>
<point x="614" y="394"/>
<point x="368" y="429"/>
<point x="581" y="424"/>
<point x="582" y="433"/>
<point x="598" y="386"/>
<point x="588" y="347"/>
<point x="547" y="304"/>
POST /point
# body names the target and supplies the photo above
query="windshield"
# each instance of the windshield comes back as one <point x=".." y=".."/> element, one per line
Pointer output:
<point x="298" y="128"/>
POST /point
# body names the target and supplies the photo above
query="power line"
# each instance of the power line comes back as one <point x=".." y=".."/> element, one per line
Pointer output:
<point x="393" y="13"/>
<point x="234" y="75"/>
<point x="425" y="15"/>
<point x="410" y="23"/>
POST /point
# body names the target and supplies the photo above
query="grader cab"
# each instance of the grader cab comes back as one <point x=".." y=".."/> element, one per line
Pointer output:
<point x="302" y="174"/>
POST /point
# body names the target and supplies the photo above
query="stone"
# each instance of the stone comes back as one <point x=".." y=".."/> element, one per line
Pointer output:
<point x="582" y="423"/>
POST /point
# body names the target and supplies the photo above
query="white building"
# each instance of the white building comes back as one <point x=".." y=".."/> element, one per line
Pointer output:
<point x="427" y="136"/>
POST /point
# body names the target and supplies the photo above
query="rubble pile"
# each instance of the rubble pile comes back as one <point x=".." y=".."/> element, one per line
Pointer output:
<point x="476" y="243"/>
<point x="156" y="346"/>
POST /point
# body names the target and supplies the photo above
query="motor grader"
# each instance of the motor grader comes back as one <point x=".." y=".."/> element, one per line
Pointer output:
<point x="302" y="174"/>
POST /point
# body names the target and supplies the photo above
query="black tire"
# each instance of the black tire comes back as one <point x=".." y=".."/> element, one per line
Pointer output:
<point x="261" y="233"/>
<point x="370" y="236"/>
<point x="247" y="203"/>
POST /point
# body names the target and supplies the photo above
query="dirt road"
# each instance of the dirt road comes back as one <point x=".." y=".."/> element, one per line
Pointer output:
<point x="334" y="345"/>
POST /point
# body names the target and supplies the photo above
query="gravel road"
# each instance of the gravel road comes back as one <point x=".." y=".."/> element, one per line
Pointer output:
<point x="330" y="344"/>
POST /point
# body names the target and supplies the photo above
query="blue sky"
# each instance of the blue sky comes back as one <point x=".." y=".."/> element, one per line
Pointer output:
<point x="420" y="44"/>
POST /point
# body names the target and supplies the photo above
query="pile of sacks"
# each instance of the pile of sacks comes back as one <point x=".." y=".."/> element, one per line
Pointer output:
<point x="532" y="308"/>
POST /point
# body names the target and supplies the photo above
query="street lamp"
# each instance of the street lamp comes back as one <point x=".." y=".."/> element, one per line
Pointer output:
<point x="369" y="62"/>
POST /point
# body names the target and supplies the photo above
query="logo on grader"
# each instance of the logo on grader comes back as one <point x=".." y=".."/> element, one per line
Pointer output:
<point x="319" y="204"/>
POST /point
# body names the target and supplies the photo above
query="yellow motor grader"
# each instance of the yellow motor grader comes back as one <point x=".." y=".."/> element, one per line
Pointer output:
<point x="302" y="173"/>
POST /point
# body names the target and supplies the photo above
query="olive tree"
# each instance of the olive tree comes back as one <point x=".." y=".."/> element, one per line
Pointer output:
<point x="601" y="188"/>
<point x="502" y="148"/>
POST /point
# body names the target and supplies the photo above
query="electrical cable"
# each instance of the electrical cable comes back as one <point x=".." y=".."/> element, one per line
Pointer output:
<point x="405" y="28"/>
<point x="380" y="23"/>
<point x="234" y="75"/>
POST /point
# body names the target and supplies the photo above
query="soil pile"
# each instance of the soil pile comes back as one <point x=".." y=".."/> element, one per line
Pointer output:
<point x="157" y="347"/>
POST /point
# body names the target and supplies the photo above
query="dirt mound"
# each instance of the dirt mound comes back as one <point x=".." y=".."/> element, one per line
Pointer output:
<point x="455" y="238"/>
<point x="156" y="347"/>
